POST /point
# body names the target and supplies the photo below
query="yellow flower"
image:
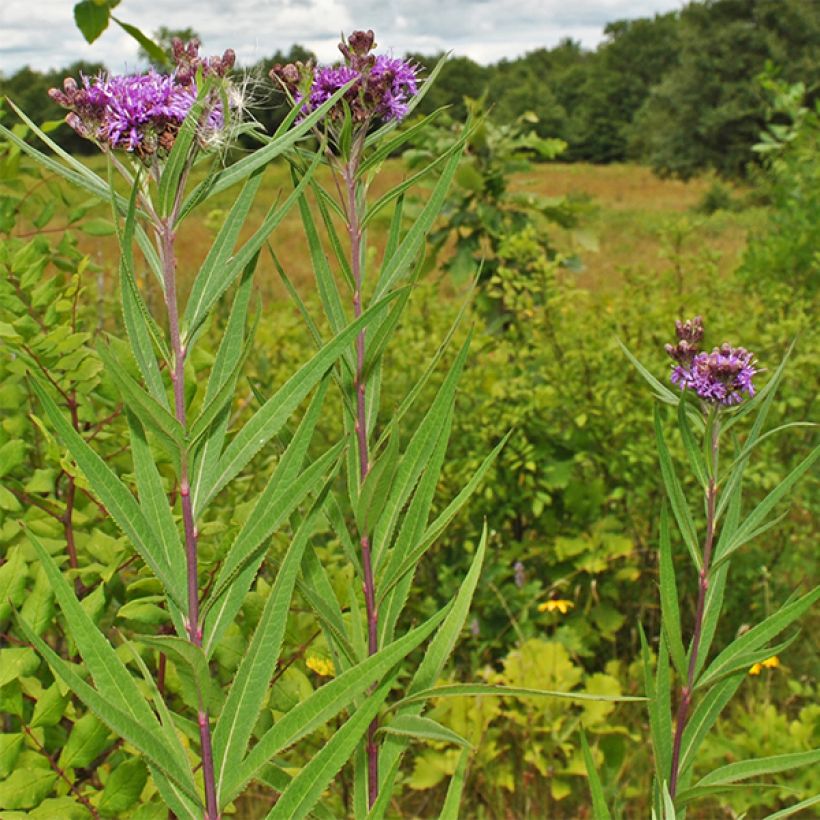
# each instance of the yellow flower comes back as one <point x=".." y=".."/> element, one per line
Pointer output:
<point x="556" y="605"/>
<point x="769" y="663"/>
<point x="321" y="666"/>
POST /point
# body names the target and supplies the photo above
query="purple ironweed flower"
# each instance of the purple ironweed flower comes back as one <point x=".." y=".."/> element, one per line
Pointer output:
<point x="142" y="113"/>
<point x="720" y="377"/>
<point x="382" y="85"/>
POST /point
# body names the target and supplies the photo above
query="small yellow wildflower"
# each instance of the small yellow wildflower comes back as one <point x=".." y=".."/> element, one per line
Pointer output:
<point x="769" y="663"/>
<point x="321" y="666"/>
<point x="556" y="605"/>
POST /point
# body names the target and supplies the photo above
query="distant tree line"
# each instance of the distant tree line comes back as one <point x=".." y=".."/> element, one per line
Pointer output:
<point x="678" y="91"/>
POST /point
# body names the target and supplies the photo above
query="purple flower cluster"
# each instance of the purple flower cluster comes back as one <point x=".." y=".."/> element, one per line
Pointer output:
<point x="382" y="86"/>
<point x="720" y="377"/>
<point x="142" y="113"/>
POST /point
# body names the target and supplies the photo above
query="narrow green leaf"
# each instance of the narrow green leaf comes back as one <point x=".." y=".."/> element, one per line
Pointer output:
<point x="422" y="728"/>
<point x="268" y="420"/>
<point x="761" y="633"/>
<point x="452" y="802"/>
<point x="596" y="789"/>
<point x="752" y="522"/>
<point x="146" y="741"/>
<point x="117" y="499"/>
<point x="306" y="788"/>
<point x="413" y="242"/>
<point x="670" y="613"/>
<point x="388" y="148"/>
<point x="797" y="808"/>
<point x="661" y="391"/>
<point x="157" y="54"/>
<point x="250" y="685"/>
<point x="323" y="705"/>
<point x="661" y="744"/>
<point x="744" y="769"/>
<point x="674" y="492"/>
<point x="693" y="450"/>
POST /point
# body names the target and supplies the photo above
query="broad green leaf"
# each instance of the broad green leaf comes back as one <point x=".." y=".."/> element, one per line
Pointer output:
<point x="146" y="741"/>
<point x="123" y="787"/>
<point x="323" y="705"/>
<point x="674" y="492"/>
<point x="117" y="499"/>
<point x="250" y="684"/>
<point x="269" y="419"/>
<point x="91" y="19"/>
<point x="422" y="728"/>
<point x="600" y="811"/>
<point x="670" y="614"/>
<point x="452" y="802"/>
<point x="111" y="678"/>
<point x="10" y="746"/>
<point x="87" y="740"/>
<point x="306" y="788"/>
<point x="26" y="788"/>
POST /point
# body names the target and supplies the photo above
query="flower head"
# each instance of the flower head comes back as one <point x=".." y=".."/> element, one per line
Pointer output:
<point x="556" y="605"/>
<point x="381" y="86"/>
<point x="321" y="666"/>
<point x="720" y="377"/>
<point x="142" y="113"/>
<point x="769" y="663"/>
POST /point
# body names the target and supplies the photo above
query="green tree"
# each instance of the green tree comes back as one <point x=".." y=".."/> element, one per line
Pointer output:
<point x="708" y="110"/>
<point x="164" y="37"/>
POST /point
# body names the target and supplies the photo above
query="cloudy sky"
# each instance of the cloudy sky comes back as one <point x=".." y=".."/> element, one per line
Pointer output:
<point x="41" y="33"/>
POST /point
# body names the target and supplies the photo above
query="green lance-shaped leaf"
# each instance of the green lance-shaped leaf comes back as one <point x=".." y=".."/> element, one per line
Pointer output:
<point x="751" y="526"/>
<point x="285" y="490"/>
<point x="154" y="501"/>
<point x="250" y="685"/>
<point x="324" y="704"/>
<point x="428" y="673"/>
<point x="142" y="330"/>
<point x="388" y="148"/>
<point x="306" y="788"/>
<point x="416" y="456"/>
<point x="392" y="576"/>
<point x="223" y="378"/>
<point x="269" y="419"/>
<point x="661" y="741"/>
<point x="151" y="412"/>
<point x="674" y="491"/>
<point x="661" y="391"/>
<point x="156" y="54"/>
<point x="241" y="170"/>
<point x="796" y="808"/>
<point x="110" y="676"/>
<point x="696" y="458"/>
<point x="416" y="727"/>
<point x="670" y="613"/>
<point x="176" y="799"/>
<point x="118" y="501"/>
<point x="745" y="661"/>
<point x="220" y="252"/>
<point x="410" y="532"/>
<point x="413" y="241"/>
<point x="759" y="635"/>
<point x="200" y="304"/>
<point x="149" y="742"/>
<point x="600" y="811"/>
<point x="452" y="802"/>
<point x="703" y="718"/>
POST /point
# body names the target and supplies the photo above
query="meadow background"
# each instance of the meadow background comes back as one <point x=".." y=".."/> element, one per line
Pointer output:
<point x="673" y="171"/>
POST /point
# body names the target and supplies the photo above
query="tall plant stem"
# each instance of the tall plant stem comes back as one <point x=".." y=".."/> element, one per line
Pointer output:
<point x="703" y="587"/>
<point x="355" y="233"/>
<point x="193" y="625"/>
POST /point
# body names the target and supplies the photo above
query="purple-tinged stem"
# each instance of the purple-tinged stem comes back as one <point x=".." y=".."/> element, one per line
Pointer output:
<point x="193" y="624"/>
<point x="703" y="587"/>
<point x="355" y="233"/>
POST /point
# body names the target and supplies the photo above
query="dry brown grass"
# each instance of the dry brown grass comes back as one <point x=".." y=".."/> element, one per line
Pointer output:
<point x="634" y="215"/>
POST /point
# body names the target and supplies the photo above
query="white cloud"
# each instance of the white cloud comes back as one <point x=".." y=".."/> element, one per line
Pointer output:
<point x="43" y="34"/>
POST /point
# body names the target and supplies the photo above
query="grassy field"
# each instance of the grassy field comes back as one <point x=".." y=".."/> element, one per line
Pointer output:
<point x="639" y="221"/>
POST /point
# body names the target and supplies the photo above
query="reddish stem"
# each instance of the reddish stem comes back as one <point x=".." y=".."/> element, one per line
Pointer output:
<point x="355" y="234"/>
<point x="703" y="587"/>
